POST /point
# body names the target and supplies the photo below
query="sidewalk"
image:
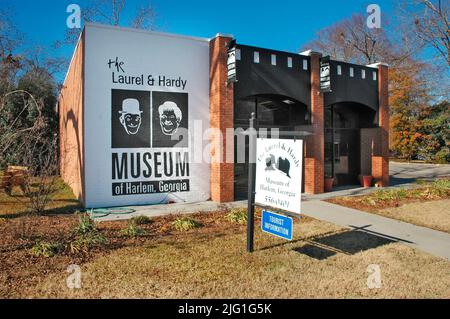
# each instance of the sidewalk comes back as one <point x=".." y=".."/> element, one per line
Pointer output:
<point x="425" y="239"/>
<point x="428" y="240"/>
<point x="121" y="213"/>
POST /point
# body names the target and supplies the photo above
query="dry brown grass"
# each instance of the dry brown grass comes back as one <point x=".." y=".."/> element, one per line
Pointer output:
<point x="63" y="200"/>
<point x="426" y="206"/>
<point x="434" y="214"/>
<point x="322" y="261"/>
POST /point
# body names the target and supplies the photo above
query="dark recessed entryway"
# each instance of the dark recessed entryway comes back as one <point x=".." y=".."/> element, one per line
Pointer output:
<point x="344" y="142"/>
<point x="272" y="112"/>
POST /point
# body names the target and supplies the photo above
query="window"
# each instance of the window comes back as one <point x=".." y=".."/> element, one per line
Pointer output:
<point x="337" y="155"/>
<point x="289" y="62"/>
<point x="305" y="64"/>
<point x="363" y="74"/>
<point x="339" y="70"/>
<point x="374" y="75"/>
<point x="238" y="54"/>
<point x="256" y="57"/>
<point x="352" y="72"/>
<point x="273" y="59"/>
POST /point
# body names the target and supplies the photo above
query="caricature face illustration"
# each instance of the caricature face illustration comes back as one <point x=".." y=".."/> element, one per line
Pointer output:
<point x="130" y="117"/>
<point x="169" y="117"/>
<point x="270" y="161"/>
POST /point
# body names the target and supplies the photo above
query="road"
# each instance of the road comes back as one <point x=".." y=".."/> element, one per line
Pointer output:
<point x="403" y="173"/>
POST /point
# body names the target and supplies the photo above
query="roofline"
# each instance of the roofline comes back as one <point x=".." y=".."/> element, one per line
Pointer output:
<point x="71" y="59"/>
<point x="129" y="29"/>
<point x="267" y="49"/>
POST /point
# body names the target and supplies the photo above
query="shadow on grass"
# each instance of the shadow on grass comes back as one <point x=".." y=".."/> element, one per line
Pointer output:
<point x="348" y="242"/>
<point x="64" y="210"/>
<point x="396" y="181"/>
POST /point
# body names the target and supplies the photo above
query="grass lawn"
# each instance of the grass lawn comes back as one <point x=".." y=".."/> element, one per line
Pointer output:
<point x="216" y="266"/>
<point x="426" y="206"/>
<point x="323" y="260"/>
<point x="432" y="214"/>
<point x="62" y="201"/>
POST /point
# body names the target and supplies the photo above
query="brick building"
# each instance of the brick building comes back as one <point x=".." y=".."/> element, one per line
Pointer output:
<point x="113" y="70"/>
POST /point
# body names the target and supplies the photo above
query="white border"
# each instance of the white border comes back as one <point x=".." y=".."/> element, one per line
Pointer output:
<point x="284" y="216"/>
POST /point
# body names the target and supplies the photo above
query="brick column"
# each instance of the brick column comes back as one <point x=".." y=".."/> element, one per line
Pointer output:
<point x="380" y="162"/>
<point x="315" y="148"/>
<point x="221" y="117"/>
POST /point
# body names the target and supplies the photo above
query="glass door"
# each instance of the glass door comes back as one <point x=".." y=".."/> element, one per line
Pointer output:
<point x="342" y="145"/>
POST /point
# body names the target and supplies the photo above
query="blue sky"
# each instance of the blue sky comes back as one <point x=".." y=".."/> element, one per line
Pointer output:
<point x="283" y="25"/>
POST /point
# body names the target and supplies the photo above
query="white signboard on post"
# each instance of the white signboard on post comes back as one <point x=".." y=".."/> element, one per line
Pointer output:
<point x="279" y="168"/>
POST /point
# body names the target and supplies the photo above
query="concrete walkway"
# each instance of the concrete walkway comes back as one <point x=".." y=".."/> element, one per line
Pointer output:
<point x="432" y="241"/>
<point x="425" y="239"/>
<point x="121" y="213"/>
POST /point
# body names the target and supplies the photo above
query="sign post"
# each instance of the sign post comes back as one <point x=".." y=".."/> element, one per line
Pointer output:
<point x="274" y="183"/>
<point x="251" y="184"/>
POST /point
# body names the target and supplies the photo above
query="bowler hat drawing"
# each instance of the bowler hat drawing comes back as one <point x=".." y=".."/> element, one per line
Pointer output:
<point x="130" y="106"/>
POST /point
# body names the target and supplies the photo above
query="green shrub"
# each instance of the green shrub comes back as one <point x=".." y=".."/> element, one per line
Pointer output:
<point x="421" y="182"/>
<point x="133" y="231"/>
<point x="386" y="195"/>
<point x="87" y="235"/>
<point x="87" y="241"/>
<point x="140" y="220"/>
<point x="237" y="215"/>
<point x="438" y="188"/>
<point x="185" y="224"/>
<point x="47" y="249"/>
<point x="443" y="156"/>
<point x="441" y="183"/>
<point x="85" y="225"/>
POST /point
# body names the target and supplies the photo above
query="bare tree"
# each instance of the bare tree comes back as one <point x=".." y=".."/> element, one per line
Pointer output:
<point x="30" y="147"/>
<point x="145" y="18"/>
<point x="10" y="39"/>
<point x="41" y="58"/>
<point x="432" y="25"/>
<point x="425" y="24"/>
<point x="112" y="12"/>
<point x="351" y="40"/>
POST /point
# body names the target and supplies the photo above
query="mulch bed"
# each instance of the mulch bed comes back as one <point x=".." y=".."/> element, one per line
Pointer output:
<point x="357" y="202"/>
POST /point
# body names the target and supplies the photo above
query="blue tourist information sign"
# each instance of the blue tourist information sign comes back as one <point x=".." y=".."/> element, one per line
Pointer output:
<point x="278" y="225"/>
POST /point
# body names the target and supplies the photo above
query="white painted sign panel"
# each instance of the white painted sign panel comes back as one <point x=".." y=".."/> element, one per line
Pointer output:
<point x="279" y="171"/>
<point x="144" y="93"/>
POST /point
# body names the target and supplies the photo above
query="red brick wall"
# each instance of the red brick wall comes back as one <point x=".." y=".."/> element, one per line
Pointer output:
<point x="380" y="170"/>
<point x="380" y="164"/>
<point x="369" y="140"/>
<point x="221" y="113"/>
<point x="315" y="148"/>
<point x="70" y="108"/>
